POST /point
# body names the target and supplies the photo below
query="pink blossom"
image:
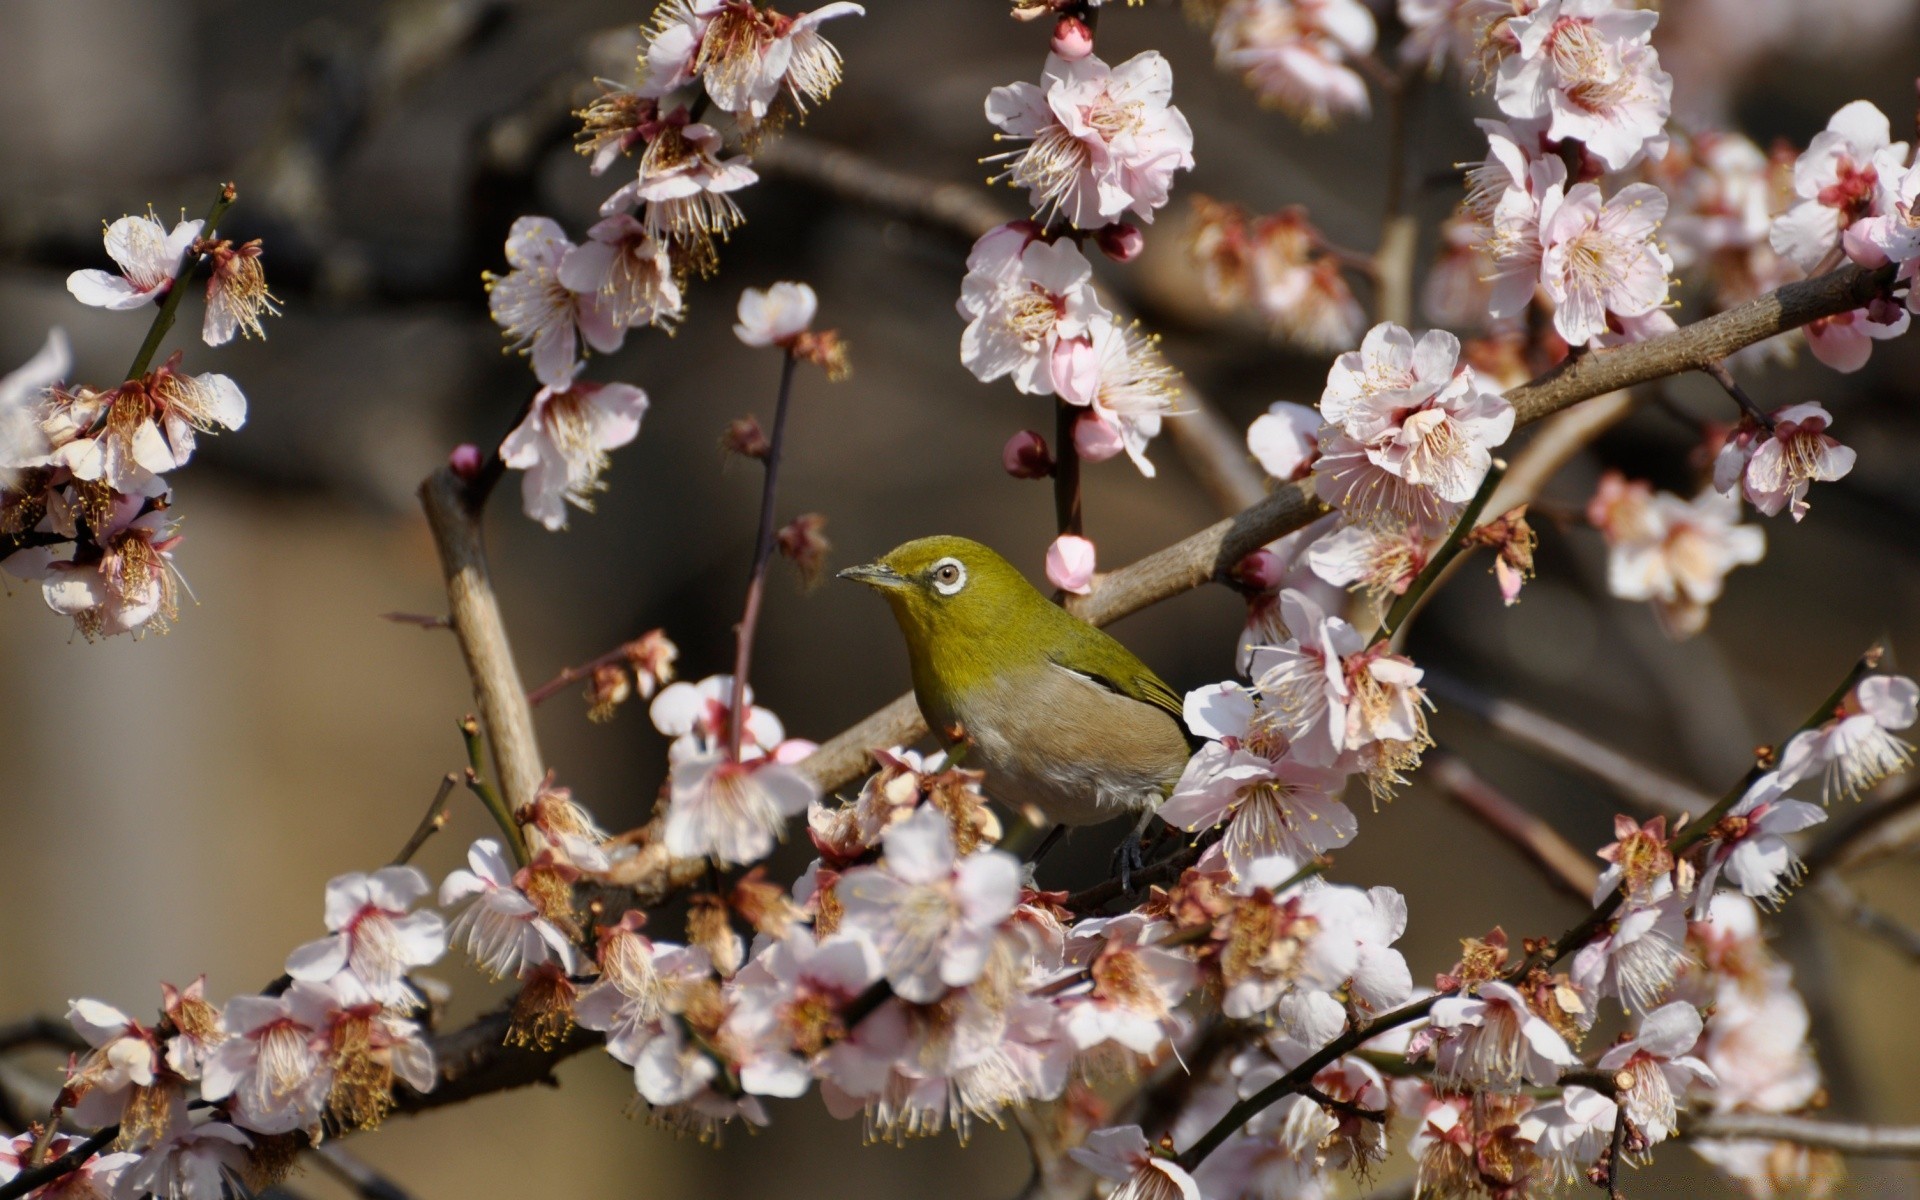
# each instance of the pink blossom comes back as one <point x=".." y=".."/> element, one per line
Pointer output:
<point x="1123" y="1155"/>
<point x="1244" y="778"/>
<point x="1571" y="1133"/>
<point x="124" y="1079"/>
<point x="95" y="1178"/>
<point x="1506" y="195"/>
<point x="1587" y="68"/>
<point x="1638" y="954"/>
<point x="698" y="717"/>
<point x="742" y="55"/>
<point x="1285" y="440"/>
<point x="128" y="585"/>
<point x="1296" y="54"/>
<point x="23" y="392"/>
<point x="274" y="1069"/>
<point x="1602" y="259"/>
<point x="149" y="257"/>
<point x="563" y="441"/>
<point x="776" y="316"/>
<point x="1838" y="183"/>
<point x="628" y="270"/>
<point x="1297" y="944"/>
<point x="1127" y="390"/>
<point x="374" y="935"/>
<point x="1757" y="1046"/>
<point x="1749" y="845"/>
<point x="1383" y="558"/>
<point x="1774" y="469"/>
<point x="143" y="428"/>
<point x="932" y="914"/>
<point x="1673" y="553"/>
<point x="642" y="983"/>
<point x="1134" y="986"/>
<point x="1892" y="234"/>
<point x="1658" y="1060"/>
<point x="1491" y="1039"/>
<point x="1856" y="749"/>
<point x="1070" y="563"/>
<point x="785" y="1006"/>
<point x="686" y="187"/>
<point x="1023" y="298"/>
<point x="1845" y="341"/>
<point x="539" y="315"/>
<point x="1439" y="31"/>
<point x="237" y="295"/>
<point x="1101" y="141"/>
<point x="732" y="811"/>
<point x="1723" y="201"/>
<point x="209" y="1161"/>
<point x="504" y="931"/>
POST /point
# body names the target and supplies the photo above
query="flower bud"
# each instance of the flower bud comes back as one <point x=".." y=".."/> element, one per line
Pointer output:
<point x="1120" y="241"/>
<point x="1072" y="39"/>
<point x="1026" y="456"/>
<point x="745" y="438"/>
<point x="465" y="461"/>
<point x="804" y="541"/>
<point x="1260" y="571"/>
<point x="1095" y="439"/>
<point x="1070" y="562"/>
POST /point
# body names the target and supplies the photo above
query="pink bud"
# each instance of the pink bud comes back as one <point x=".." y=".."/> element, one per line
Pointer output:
<point x="1072" y="39"/>
<point x="1070" y="564"/>
<point x="1854" y="241"/>
<point x="1260" y="571"/>
<point x="465" y="460"/>
<point x="1026" y="456"/>
<point x="1096" y="440"/>
<point x="1120" y="241"/>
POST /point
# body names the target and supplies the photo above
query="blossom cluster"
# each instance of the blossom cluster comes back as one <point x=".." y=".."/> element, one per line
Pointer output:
<point x="85" y="504"/>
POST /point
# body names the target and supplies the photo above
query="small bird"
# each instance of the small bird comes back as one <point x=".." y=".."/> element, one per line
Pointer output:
<point x="1061" y="716"/>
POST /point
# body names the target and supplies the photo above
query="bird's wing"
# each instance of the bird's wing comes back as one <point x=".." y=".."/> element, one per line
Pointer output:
<point x="1103" y="661"/>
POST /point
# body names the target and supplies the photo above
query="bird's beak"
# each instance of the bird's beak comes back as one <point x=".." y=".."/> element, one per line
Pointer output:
<point x="875" y="575"/>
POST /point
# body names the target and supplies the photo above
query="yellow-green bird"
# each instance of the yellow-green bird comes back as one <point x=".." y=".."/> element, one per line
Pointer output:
<point x="1060" y="715"/>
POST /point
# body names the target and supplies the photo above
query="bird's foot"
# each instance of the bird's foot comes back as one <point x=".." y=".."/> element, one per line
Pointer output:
<point x="1129" y="859"/>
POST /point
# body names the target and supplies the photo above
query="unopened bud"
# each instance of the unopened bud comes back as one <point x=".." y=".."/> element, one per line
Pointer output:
<point x="824" y="349"/>
<point x="465" y="461"/>
<point x="745" y="438"/>
<point x="1095" y="439"/>
<point x="607" y="689"/>
<point x="1026" y="456"/>
<point x="804" y="541"/>
<point x="1120" y="241"/>
<point x="1070" y="564"/>
<point x="1072" y="39"/>
<point x="1260" y="571"/>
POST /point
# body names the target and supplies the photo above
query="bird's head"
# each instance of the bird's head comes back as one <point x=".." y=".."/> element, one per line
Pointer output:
<point x="950" y="587"/>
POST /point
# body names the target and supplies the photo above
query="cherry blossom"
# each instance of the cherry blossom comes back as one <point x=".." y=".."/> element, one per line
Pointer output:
<point x="1671" y="552"/>
<point x="786" y="1006"/>
<point x="128" y="584"/>
<point x="1338" y="700"/>
<point x="932" y="914"/>
<point x="1773" y="468"/>
<point x="1638" y="954"/>
<point x="698" y="717"/>
<point x="1122" y="1154"/>
<point x="374" y="935"/>
<point x="563" y="442"/>
<point x="1244" y="778"/>
<point x="1383" y="558"/>
<point x="143" y="428"/>
<point x="1296" y="54"/>
<point x="1126" y="386"/>
<point x="743" y="56"/>
<point x="1101" y="141"/>
<point x="124" y="1079"/>
<point x="22" y="393"/>
<point x="1571" y="1133"/>
<point x="149" y="256"/>
<point x="1601" y="259"/>
<point x="95" y="1178"/>
<point x="504" y="931"/>
<point x="1070" y="564"/>
<point x="1845" y="341"/>
<point x="1288" y="947"/>
<point x="209" y="1161"/>
<point x="540" y="315"/>
<point x="1276" y="265"/>
<point x="1491" y="1039"/>
<point x="1748" y="843"/>
<point x="1856" y="749"/>
<point x="732" y="811"/>
<point x="1285" y="440"/>
<point x="1024" y="298"/>
<point x="628" y="270"/>
<point x="273" y="1069"/>
<point x="776" y="316"/>
<point x="1657" y="1059"/>
<point x="1892" y="233"/>
<point x="1838" y="183"/>
<point x="1439" y="31"/>
<point x="1587" y="68"/>
<point x="642" y="982"/>
<point x="237" y="295"/>
<point x="687" y="189"/>
<point x="1506" y="195"/>
<point x="1134" y="985"/>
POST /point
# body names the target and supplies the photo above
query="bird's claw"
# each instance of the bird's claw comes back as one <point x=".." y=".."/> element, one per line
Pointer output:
<point x="1129" y="858"/>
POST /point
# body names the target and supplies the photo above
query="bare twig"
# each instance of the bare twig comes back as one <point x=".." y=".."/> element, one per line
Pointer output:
<point x="33" y="1177"/>
<point x="1847" y="904"/>
<point x="1869" y="1141"/>
<point x="433" y="822"/>
<point x="1558" y="861"/>
<point x="1208" y="554"/>
<point x="363" y="1179"/>
<point x="40" y="1031"/>
<point x="1869" y="834"/>
<point x="1634" y="780"/>
<point x="762" y="551"/>
<point x="482" y="632"/>
<point x="1067" y="517"/>
<point x="1617" y="1152"/>
<point x="1724" y="377"/>
<point x="423" y="620"/>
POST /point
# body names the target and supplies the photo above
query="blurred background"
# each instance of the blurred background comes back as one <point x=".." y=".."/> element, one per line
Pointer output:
<point x="176" y="805"/>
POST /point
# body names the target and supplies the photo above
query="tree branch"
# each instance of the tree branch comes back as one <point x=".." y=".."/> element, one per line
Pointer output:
<point x="1870" y="1141"/>
<point x="1563" y="866"/>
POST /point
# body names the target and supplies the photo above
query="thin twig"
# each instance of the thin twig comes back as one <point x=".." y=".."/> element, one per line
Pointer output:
<point x="33" y="1177"/>
<point x="433" y="822"/>
<point x="1451" y="548"/>
<point x="1563" y="866"/>
<point x="1212" y="552"/>
<point x="1867" y="1141"/>
<point x="1724" y="377"/>
<point x="190" y="262"/>
<point x="40" y="1031"/>
<point x="1871" y="833"/>
<point x="1066" y="470"/>
<point x="423" y="620"/>
<point x="363" y="1179"/>
<point x="490" y="799"/>
<point x="1617" y="1151"/>
<point x="762" y="551"/>
<point x="1847" y="904"/>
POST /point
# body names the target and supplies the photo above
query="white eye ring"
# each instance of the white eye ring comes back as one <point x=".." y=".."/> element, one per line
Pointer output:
<point x="948" y="575"/>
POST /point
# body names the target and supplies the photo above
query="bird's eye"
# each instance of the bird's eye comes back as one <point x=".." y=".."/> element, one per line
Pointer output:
<point x="948" y="576"/>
